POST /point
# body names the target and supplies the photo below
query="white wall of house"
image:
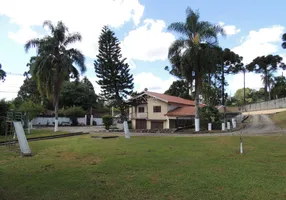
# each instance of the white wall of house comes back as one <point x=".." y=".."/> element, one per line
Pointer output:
<point x="156" y="115"/>
<point x="143" y="114"/>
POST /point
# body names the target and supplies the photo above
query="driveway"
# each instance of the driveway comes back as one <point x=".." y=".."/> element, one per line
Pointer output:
<point x="260" y="124"/>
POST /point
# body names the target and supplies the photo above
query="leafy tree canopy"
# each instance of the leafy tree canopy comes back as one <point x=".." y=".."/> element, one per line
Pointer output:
<point x="179" y="89"/>
<point x="31" y="109"/>
<point x="2" y="74"/>
<point x="284" y="41"/>
<point x="78" y="94"/>
<point x="266" y="65"/>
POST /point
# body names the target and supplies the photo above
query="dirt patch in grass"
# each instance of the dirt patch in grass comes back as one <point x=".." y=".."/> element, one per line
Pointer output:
<point x="83" y="159"/>
<point x="155" y="178"/>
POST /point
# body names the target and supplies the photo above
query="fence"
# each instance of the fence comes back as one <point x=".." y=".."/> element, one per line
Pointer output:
<point x="49" y="121"/>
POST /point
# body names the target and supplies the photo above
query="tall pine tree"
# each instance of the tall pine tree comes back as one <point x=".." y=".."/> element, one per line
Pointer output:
<point x="113" y="72"/>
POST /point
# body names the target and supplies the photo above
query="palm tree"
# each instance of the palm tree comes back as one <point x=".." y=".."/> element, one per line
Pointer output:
<point x="55" y="62"/>
<point x="197" y="36"/>
<point x="2" y="74"/>
<point x="284" y="41"/>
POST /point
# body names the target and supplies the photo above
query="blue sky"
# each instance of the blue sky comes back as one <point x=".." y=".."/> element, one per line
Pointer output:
<point x="253" y="28"/>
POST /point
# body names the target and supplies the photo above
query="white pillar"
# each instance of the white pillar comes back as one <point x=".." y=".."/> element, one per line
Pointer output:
<point x="233" y="123"/>
<point x="56" y="125"/>
<point x="241" y="147"/>
<point x="228" y="125"/>
<point x="85" y="120"/>
<point x="197" y="125"/>
<point x="223" y="126"/>
<point x="126" y="130"/>
<point x="91" y="120"/>
<point x="209" y="126"/>
<point x="29" y="127"/>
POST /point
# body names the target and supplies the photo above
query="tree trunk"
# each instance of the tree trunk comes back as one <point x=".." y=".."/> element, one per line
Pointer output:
<point x="197" y="103"/>
<point x="265" y="85"/>
<point x="56" y="115"/>
<point x="125" y="123"/>
<point x="223" y="100"/>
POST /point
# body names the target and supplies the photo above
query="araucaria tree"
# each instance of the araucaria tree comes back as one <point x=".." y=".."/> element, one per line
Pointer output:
<point x="266" y="65"/>
<point x="113" y="72"/>
<point x="2" y="74"/>
<point x="55" y="62"/>
<point x="284" y="41"/>
<point x="188" y="53"/>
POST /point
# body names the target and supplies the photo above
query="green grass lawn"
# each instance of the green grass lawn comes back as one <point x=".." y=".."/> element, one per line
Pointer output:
<point x="39" y="133"/>
<point x="146" y="168"/>
<point x="279" y="119"/>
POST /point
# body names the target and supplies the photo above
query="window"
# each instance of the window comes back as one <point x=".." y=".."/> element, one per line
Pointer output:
<point x="141" y="109"/>
<point x="156" y="109"/>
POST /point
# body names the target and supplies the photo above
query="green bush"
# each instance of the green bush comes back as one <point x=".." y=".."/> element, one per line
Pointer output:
<point x="107" y="121"/>
<point x="74" y="112"/>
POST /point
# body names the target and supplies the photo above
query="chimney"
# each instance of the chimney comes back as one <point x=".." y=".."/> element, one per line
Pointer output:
<point x="146" y="89"/>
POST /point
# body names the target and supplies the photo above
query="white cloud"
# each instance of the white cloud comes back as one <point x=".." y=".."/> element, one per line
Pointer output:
<point x="9" y="89"/>
<point x="153" y="83"/>
<point x="23" y="35"/>
<point x="229" y="29"/>
<point x="148" y="42"/>
<point x="86" y="17"/>
<point x="262" y="42"/>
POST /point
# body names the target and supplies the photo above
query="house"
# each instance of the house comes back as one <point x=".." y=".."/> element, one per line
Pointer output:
<point x="153" y="110"/>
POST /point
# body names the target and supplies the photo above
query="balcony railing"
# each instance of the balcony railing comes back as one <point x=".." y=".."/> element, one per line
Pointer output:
<point x="138" y="115"/>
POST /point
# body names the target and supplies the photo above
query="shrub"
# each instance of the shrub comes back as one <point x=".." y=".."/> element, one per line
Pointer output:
<point x="107" y="121"/>
<point x="94" y="123"/>
<point x="74" y="112"/>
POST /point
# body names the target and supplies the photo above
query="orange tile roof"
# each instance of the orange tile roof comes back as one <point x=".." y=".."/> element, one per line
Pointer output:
<point x="171" y="99"/>
<point x="182" y="111"/>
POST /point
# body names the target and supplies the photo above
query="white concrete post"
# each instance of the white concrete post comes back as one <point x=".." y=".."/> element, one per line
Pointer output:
<point x="126" y="130"/>
<point x="228" y="125"/>
<point x="223" y="126"/>
<point x="91" y="120"/>
<point x="241" y="147"/>
<point x="233" y="123"/>
<point x="85" y="120"/>
<point x="209" y="126"/>
<point x="197" y="125"/>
